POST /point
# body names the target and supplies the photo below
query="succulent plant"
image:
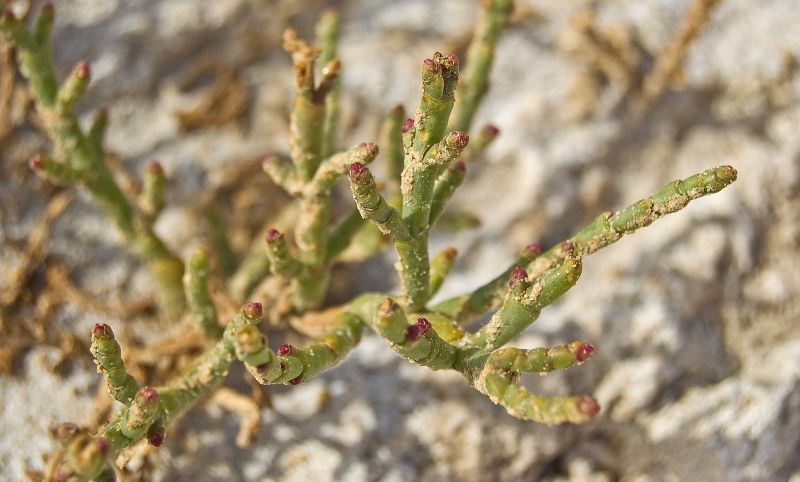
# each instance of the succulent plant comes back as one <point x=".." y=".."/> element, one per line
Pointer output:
<point x="426" y="159"/>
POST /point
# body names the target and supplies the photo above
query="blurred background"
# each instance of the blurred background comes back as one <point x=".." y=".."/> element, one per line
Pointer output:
<point x="694" y="319"/>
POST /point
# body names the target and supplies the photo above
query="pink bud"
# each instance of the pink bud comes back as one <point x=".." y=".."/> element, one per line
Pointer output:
<point x="491" y="131"/>
<point x="518" y="275"/>
<point x="36" y="162"/>
<point x="588" y="406"/>
<point x="357" y="171"/>
<point x="460" y="166"/>
<point x="273" y="235"/>
<point x="567" y="246"/>
<point x="149" y="395"/>
<point x="83" y="70"/>
<point x="408" y="125"/>
<point x="453" y="59"/>
<point x="423" y="324"/>
<point x="156" y="437"/>
<point x="430" y="65"/>
<point x="460" y="139"/>
<point x="533" y="249"/>
<point x="253" y="310"/>
<point x="296" y="381"/>
<point x="584" y="352"/>
<point x="101" y="329"/>
<point x="285" y="349"/>
<point x="103" y="445"/>
<point x="154" y="167"/>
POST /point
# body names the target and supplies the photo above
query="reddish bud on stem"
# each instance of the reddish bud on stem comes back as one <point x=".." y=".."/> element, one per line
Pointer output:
<point x="273" y="235"/>
<point x="357" y="171"/>
<point x="518" y="275"/>
<point x="460" y="166"/>
<point x="461" y="139"/>
<point x="430" y="65"/>
<point x="533" y="249"/>
<point x="154" y="167"/>
<point x="584" y="352"/>
<point x="415" y="331"/>
<point x="83" y="70"/>
<point x="149" y="395"/>
<point x="253" y="310"/>
<point x="285" y="349"/>
<point x="491" y="131"/>
<point x="408" y="125"/>
<point x="37" y="162"/>
<point x="588" y="406"/>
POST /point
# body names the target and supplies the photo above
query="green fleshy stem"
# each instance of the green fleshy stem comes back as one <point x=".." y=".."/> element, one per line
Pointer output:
<point x="200" y="303"/>
<point x="108" y="357"/>
<point x="524" y="302"/>
<point x="605" y="230"/>
<point x="417" y="342"/>
<point x="489" y="26"/>
<point x="291" y="365"/>
<point x="391" y="142"/>
<point x="446" y="185"/>
<point x="441" y="265"/>
<point x="327" y="33"/>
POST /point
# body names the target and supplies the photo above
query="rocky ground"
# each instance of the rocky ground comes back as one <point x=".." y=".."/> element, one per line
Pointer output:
<point x="695" y="319"/>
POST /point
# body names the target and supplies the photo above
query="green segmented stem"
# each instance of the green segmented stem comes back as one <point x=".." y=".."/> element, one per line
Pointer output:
<point x="419" y="179"/>
<point x="476" y="303"/>
<point x="327" y="33"/>
<point x="441" y="265"/>
<point x="446" y="185"/>
<point x="373" y="206"/>
<point x="140" y="414"/>
<point x="489" y="25"/>
<point x="414" y="271"/>
<point x="108" y="357"/>
<point x="154" y="191"/>
<point x="312" y="225"/>
<point x="521" y="307"/>
<point x="296" y="365"/>
<point x="307" y="119"/>
<point x="73" y="88"/>
<point x="540" y="360"/>
<point x="419" y="345"/>
<point x="391" y="142"/>
<point x="200" y="304"/>
<point x="522" y="404"/>
<point x="84" y="155"/>
<point x="130" y="424"/>
<point x="282" y="263"/>
<point x="255" y="265"/>
<point x="57" y="172"/>
<point x="603" y="231"/>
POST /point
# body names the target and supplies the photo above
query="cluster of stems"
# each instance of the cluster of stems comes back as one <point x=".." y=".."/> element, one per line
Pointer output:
<point x="425" y="162"/>
<point x="79" y="156"/>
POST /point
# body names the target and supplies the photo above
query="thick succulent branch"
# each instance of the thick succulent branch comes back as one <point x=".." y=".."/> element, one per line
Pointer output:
<point x="605" y="230"/>
<point x="489" y="25"/>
